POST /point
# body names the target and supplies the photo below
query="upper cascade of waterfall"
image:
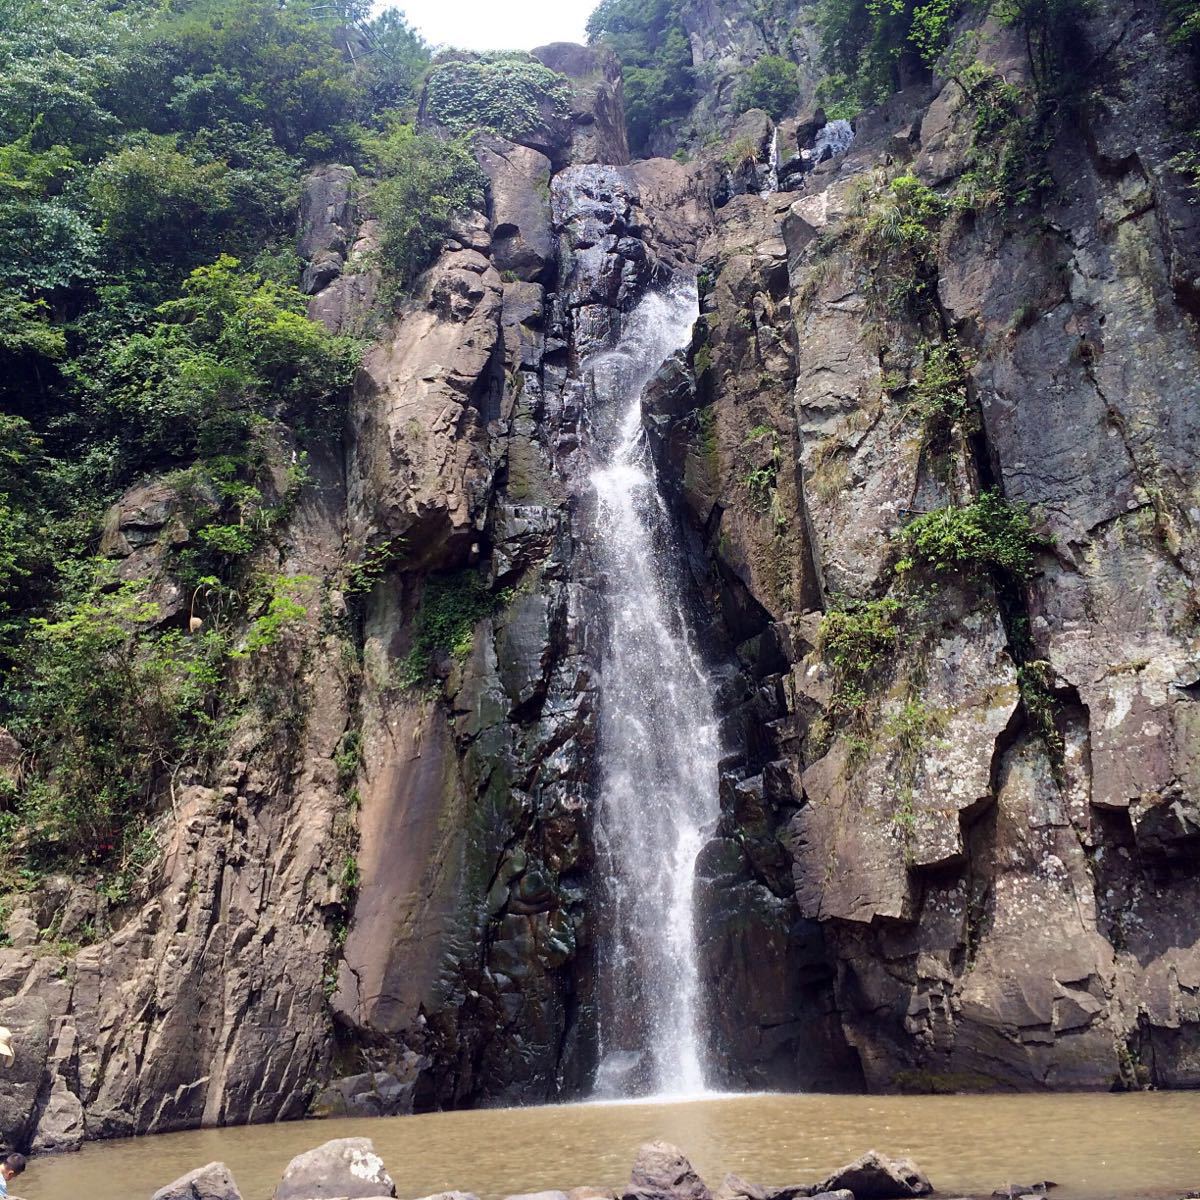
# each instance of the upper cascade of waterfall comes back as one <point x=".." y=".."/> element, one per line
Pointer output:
<point x="833" y="138"/>
<point x="770" y="181"/>
<point x="658" y="746"/>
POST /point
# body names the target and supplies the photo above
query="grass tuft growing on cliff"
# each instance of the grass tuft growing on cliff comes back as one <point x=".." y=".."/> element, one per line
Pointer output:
<point x="857" y="637"/>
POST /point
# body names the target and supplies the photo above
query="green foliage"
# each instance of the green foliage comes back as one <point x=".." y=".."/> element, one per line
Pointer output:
<point x="139" y="849"/>
<point x="656" y="62"/>
<point x="426" y="184"/>
<point x="234" y="348"/>
<point x="158" y="205"/>
<point x="938" y="398"/>
<point x="25" y="329"/>
<point x="741" y="152"/>
<point x="1185" y="21"/>
<point x="245" y="62"/>
<point x="150" y="160"/>
<point x="1010" y="142"/>
<point x="856" y="638"/>
<point x="772" y="84"/>
<point x="987" y="536"/>
<point x="445" y="623"/>
<point x="394" y="68"/>
<point x="907" y="732"/>
<point x="282" y="612"/>
<point x="873" y="47"/>
<point x="362" y="575"/>
<point x="1034" y="679"/>
<point x="762" y="480"/>
<point x="347" y="759"/>
<point x="899" y="241"/>
<point x="111" y="708"/>
<point x="509" y="93"/>
<point x="1187" y="163"/>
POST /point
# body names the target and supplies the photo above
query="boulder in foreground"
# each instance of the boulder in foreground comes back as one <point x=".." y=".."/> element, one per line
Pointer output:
<point x="662" y="1172"/>
<point x="213" y="1182"/>
<point x="343" y="1169"/>
<point x="876" y="1177"/>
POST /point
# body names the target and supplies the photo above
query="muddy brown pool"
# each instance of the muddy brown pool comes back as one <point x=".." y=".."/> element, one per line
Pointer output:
<point x="1097" y="1147"/>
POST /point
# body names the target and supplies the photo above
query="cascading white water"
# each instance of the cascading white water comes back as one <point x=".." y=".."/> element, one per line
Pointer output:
<point x="770" y="182"/>
<point x="658" y="746"/>
<point x="832" y="139"/>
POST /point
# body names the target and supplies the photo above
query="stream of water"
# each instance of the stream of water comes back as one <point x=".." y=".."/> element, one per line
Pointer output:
<point x="658" y="746"/>
<point x="1140" y="1146"/>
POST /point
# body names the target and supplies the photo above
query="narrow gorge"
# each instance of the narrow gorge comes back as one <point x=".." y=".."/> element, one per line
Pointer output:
<point x="739" y="633"/>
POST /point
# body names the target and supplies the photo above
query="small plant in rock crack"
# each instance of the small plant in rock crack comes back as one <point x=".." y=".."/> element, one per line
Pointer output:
<point x="988" y="535"/>
<point x="857" y="637"/>
<point x="761" y="481"/>
<point x="898" y="238"/>
<point x="938" y="398"/>
<point x="445" y="623"/>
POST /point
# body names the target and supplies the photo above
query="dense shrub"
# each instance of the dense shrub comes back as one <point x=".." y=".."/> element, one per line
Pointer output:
<point x="426" y="182"/>
<point x="234" y="347"/>
<point x="772" y="84"/>
<point x="115" y="709"/>
<point x="511" y="94"/>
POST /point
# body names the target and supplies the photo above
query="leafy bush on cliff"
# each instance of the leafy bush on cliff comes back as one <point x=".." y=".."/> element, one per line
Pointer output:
<point x="115" y="709"/>
<point x="772" y="84"/>
<point x="425" y="184"/>
<point x="856" y="639"/>
<point x="510" y="93"/>
<point x="989" y="535"/>
<point x="898" y="239"/>
<point x="656" y="62"/>
<point x="233" y="348"/>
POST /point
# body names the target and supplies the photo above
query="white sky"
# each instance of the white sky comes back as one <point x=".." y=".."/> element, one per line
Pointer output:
<point x="495" y="24"/>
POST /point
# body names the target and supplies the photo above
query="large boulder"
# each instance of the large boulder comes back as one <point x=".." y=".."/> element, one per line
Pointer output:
<point x="345" y="1169"/>
<point x="29" y="1020"/>
<point x="662" y="1172"/>
<point x="212" y="1182"/>
<point x="60" y="1127"/>
<point x="875" y="1177"/>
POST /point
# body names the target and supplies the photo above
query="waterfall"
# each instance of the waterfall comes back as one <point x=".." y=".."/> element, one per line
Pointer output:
<point x="833" y="138"/>
<point x="658" y="743"/>
<point x="770" y="181"/>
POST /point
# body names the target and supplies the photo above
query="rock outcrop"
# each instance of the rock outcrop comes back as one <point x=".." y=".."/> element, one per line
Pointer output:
<point x="212" y="1182"/>
<point x="345" y="1168"/>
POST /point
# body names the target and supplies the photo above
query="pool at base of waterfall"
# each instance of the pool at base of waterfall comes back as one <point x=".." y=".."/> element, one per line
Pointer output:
<point x="1096" y="1146"/>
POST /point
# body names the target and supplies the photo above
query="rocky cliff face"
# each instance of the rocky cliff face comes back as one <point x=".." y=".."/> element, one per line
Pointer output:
<point x="999" y="874"/>
<point x="973" y="864"/>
